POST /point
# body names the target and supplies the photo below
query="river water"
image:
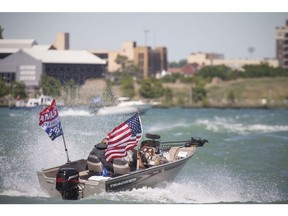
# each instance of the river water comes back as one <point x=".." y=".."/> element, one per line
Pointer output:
<point x="245" y="161"/>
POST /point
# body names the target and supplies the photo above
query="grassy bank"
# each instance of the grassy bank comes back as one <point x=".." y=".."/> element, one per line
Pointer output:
<point x="253" y="92"/>
<point x="241" y="93"/>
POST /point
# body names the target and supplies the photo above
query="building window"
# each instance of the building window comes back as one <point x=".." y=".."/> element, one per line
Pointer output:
<point x="141" y="60"/>
<point x="7" y="77"/>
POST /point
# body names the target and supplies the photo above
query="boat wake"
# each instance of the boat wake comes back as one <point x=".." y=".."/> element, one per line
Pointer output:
<point x="219" y="187"/>
<point x="75" y="112"/>
<point x="231" y="125"/>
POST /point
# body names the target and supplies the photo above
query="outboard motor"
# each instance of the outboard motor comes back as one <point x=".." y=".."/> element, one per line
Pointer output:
<point x="67" y="181"/>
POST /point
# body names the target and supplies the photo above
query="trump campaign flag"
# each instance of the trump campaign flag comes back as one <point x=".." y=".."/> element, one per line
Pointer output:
<point x="123" y="138"/>
<point x="49" y="121"/>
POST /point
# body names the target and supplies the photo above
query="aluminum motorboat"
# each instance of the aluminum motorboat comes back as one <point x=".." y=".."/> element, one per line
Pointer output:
<point x="156" y="162"/>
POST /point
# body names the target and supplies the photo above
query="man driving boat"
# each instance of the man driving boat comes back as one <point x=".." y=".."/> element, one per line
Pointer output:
<point x="99" y="151"/>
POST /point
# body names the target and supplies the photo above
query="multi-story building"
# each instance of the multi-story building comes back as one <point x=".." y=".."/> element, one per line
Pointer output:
<point x="213" y="59"/>
<point x="143" y="59"/>
<point x="110" y="56"/>
<point x="282" y="45"/>
<point x="160" y="62"/>
<point x="150" y="61"/>
<point x="204" y="59"/>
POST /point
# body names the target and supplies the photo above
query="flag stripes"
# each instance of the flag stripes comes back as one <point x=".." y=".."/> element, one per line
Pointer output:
<point x="123" y="138"/>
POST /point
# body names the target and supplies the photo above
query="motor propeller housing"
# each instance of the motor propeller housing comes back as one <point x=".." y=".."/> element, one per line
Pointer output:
<point x="67" y="181"/>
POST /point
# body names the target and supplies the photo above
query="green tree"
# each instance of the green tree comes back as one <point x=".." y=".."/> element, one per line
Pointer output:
<point x="168" y="95"/>
<point x="221" y="71"/>
<point x="19" y="90"/>
<point x="179" y="64"/>
<point x="151" y="88"/>
<point x="122" y="60"/>
<point x="133" y="70"/>
<point x="263" y="70"/>
<point x="198" y="91"/>
<point x="198" y="94"/>
<point x="127" y="68"/>
<point x="1" y="32"/>
<point x="127" y="86"/>
<point x="50" y="86"/>
<point x="4" y="89"/>
<point x="170" y="78"/>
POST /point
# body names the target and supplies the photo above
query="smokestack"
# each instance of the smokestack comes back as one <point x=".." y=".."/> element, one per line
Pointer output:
<point x="62" y="41"/>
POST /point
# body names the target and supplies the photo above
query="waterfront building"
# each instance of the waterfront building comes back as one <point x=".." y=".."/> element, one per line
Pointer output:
<point x="28" y="65"/>
<point x="26" y="61"/>
<point x="214" y="59"/>
<point x="281" y="36"/>
<point x="149" y="61"/>
<point x="110" y="56"/>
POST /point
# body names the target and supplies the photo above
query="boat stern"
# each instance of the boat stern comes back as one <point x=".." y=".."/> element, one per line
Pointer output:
<point x="48" y="185"/>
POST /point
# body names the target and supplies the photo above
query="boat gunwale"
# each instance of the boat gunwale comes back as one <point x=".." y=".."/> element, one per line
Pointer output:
<point x="45" y="170"/>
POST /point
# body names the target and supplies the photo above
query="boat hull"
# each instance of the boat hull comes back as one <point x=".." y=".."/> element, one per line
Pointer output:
<point x="126" y="108"/>
<point x="153" y="176"/>
<point x="150" y="177"/>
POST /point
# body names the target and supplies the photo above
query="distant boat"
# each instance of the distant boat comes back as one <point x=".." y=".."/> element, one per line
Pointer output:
<point x="125" y="106"/>
<point x="41" y="101"/>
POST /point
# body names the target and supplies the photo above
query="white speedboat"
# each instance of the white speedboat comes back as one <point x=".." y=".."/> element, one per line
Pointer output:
<point x="162" y="161"/>
<point x="124" y="107"/>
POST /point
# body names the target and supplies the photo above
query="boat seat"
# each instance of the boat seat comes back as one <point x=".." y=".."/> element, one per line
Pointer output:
<point x="172" y="153"/>
<point x="176" y="153"/>
<point x="160" y="160"/>
<point x="120" y="166"/>
<point x="94" y="164"/>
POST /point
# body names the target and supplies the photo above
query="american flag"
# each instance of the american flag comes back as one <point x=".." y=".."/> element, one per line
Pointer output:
<point x="124" y="138"/>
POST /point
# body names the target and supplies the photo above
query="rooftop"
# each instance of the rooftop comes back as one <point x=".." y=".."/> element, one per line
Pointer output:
<point x="64" y="56"/>
<point x="17" y="43"/>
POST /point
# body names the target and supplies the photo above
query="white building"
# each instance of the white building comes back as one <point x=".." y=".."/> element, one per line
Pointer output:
<point x="213" y="59"/>
<point x="27" y="61"/>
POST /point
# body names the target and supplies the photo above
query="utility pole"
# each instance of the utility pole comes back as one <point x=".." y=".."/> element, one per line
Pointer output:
<point x="145" y="34"/>
<point x="251" y="50"/>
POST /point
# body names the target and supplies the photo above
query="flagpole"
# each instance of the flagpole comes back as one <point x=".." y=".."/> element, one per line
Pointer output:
<point x="68" y="161"/>
<point x="138" y="158"/>
<point x="138" y="148"/>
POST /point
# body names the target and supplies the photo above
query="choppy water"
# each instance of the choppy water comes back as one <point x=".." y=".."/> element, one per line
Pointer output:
<point x="245" y="161"/>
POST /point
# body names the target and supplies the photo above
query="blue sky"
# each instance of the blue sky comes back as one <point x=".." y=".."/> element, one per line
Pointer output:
<point x="182" y="33"/>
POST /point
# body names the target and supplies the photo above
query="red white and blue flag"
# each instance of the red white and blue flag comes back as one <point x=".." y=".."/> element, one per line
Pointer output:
<point x="49" y="121"/>
<point x="123" y="138"/>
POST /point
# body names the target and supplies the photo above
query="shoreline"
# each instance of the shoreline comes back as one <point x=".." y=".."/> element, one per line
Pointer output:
<point x="168" y="107"/>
